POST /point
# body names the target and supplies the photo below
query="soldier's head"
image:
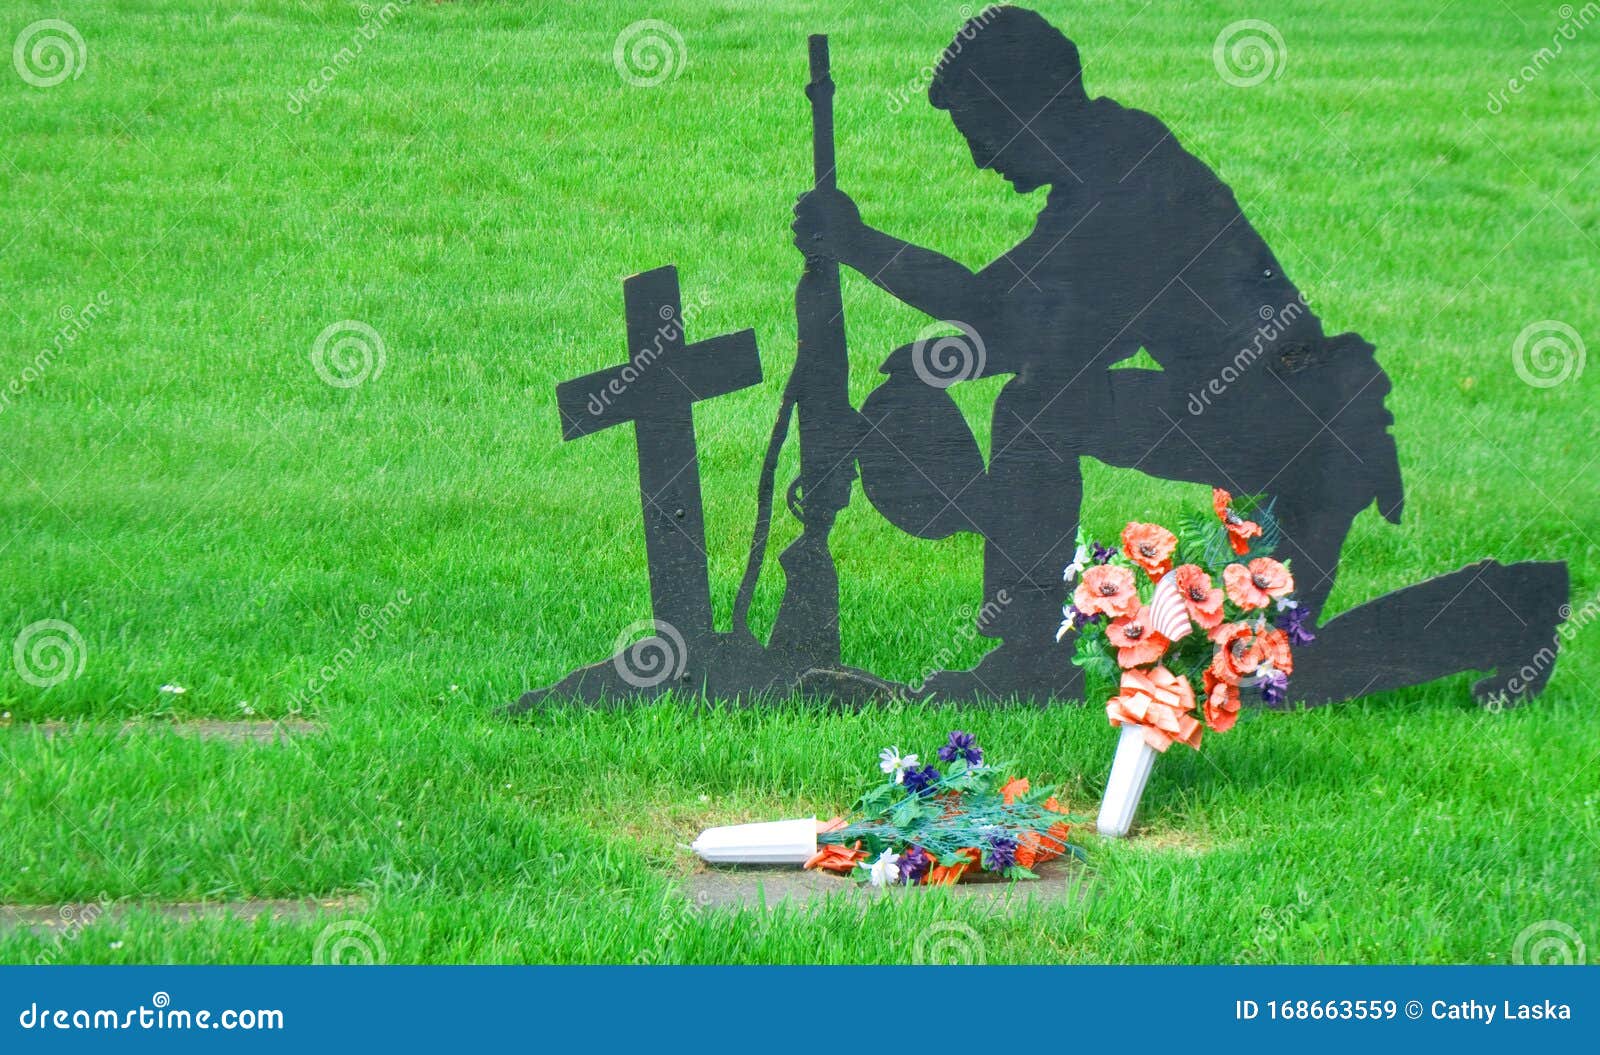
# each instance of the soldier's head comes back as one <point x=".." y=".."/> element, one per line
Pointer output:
<point x="1013" y="85"/>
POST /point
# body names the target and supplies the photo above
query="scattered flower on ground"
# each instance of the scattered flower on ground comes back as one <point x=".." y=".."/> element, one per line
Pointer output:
<point x="892" y="762"/>
<point x="961" y="745"/>
<point x="885" y="870"/>
<point x="933" y="828"/>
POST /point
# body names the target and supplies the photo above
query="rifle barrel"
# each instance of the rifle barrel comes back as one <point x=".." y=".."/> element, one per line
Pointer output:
<point x="820" y="92"/>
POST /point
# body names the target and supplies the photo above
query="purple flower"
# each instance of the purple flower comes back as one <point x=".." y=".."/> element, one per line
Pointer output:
<point x="1082" y="618"/>
<point x="1002" y="851"/>
<point x="914" y="864"/>
<point x="921" y="778"/>
<point x="1102" y="554"/>
<point x="1275" y="688"/>
<point x="962" y="745"/>
<point x="1293" y="620"/>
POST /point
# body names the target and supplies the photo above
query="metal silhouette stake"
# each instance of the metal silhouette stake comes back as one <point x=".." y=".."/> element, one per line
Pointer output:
<point x="1139" y="246"/>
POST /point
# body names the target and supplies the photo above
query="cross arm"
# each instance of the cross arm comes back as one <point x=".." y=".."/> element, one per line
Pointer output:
<point x="649" y="385"/>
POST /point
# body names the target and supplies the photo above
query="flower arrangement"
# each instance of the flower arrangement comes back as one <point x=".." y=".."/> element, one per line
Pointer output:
<point x="928" y="824"/>
<point x="1171" y="626"/>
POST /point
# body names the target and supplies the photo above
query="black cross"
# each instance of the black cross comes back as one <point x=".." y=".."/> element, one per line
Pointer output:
<point x="656" y="389"/>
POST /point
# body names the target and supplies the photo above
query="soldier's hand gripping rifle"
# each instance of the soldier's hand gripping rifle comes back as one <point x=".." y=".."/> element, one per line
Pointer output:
<point x="808" y="618"/>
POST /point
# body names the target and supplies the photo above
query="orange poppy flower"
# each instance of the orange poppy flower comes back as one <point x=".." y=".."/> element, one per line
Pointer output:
<point x="1150" y="546"/>
<point x="1054" y="842"/>
<point x="1242" y="591"/>
<point x="1027" y="852"/>
<point x="1158" y="701"/>
<point x="1108" y="590"/>
<point x="835" y="858"/>
<point x="1203" y="600"/>
<point x="1238" y="652"/>
<point x="1254" y="586"/>
<point x="1137" y="641"/>
<point x="1014" y="787"/>
<point x="1275" y="648"/>
<point x="1222" y="703"/>
<point x="948" y="874"/>
<point x="1240" y="530"/>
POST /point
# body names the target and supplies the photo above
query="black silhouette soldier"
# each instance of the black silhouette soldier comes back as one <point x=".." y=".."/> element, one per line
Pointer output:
<point x="1141" y="245"/>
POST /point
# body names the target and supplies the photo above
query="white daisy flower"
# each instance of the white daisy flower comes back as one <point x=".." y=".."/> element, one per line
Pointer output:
<point x="1069" y="621"/>
<point x="885" y="870"/>
<point x="1080" y="561"/>
<point x="893" y="763"/>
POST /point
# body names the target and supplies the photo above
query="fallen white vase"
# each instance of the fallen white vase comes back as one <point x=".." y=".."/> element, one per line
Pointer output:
<point x="767" y="843"/>
<point x="1130" y="771"/>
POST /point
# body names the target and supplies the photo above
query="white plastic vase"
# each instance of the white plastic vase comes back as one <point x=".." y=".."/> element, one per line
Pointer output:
<point x="767" y="843"/>
<point x="1130" y="771"/>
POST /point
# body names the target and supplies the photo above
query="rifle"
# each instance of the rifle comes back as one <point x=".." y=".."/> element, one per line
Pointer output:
<point x="807" y="625"/>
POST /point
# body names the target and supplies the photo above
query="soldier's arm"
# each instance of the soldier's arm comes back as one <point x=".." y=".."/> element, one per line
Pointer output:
<point x="926" y="280"/>
<point x="827" y="222"/>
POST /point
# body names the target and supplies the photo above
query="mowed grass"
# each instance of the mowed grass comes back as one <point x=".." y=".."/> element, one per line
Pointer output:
<point x="204" y="511"/>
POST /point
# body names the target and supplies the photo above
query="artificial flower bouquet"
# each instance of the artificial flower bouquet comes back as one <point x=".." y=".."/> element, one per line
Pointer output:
<point x="1171" y="626"/>
<point x="928" y="824"/>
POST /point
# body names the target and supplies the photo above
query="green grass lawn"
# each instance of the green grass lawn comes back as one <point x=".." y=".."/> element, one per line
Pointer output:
<point x="184" y="490"/>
